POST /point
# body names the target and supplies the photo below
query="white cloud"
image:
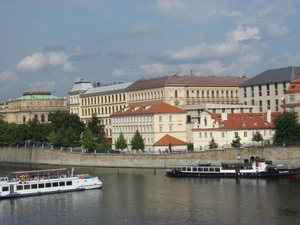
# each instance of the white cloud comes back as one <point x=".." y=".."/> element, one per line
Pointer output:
<point x="242" y="34"/>
<point x="42" y="86"/>
<point x="153" y="69"/>
<point x="276" y="31"/>
<point x="8" y="76"/>
<point x="117" y="72"/>
<point x="38" y="60"/>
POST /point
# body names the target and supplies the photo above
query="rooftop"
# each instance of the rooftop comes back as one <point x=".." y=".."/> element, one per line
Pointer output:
<point x="280" y="75"/>
<point x="148" y="108"/>
<point x="176" y="80"/>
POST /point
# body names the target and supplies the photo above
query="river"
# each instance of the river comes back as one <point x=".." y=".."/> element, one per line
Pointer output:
<point x="147" y="196"/>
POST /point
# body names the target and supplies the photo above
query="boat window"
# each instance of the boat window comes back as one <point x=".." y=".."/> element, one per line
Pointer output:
<point x="205" y="169"/>
<point x="5" y="188"/>
<point x="62" y="183"/>
<point x="183" y="169"/>
<point x="217" y="169"/>
<point x="19" y="187"/>
<point x="199" y="168"/>
<point x="188" y="169"/>
<point x="211" y="169"/>
<point x="26" y="186"/>
<point x="48" y="184"/>
<point x="34" y="186"/>
<point x="55" y="184"/>
<point x="41" y="185"/>
<point x="194" y="168"/>
<point x="69" y="183"/>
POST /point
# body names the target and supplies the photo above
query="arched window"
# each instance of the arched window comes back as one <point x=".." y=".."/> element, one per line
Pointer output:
<point x="176" y="94"/>
<point x="43" y="118"/>
<point x="187" y="94"/>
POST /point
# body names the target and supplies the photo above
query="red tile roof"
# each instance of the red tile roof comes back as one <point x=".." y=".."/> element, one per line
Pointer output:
<point x="242" y="121"/>
<point x="148" y="108"/>
<point x="294" y="86"/>
<point x="194" y="81"/>
<point x="167" y="139"/>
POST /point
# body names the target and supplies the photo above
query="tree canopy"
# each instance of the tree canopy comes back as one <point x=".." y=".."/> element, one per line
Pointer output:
<point x="287" y="128"/>
<point x="213" y="144"/>
<point x="137" y="142"/>
<point x="236" y="142"/>
<point x="121" y="142"/>
<point x="257" y="137"/>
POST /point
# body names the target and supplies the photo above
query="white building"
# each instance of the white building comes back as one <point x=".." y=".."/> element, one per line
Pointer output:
<point x="156" y="121"/>
<point x="223" y="128"/>
<point x="267" y="89"/>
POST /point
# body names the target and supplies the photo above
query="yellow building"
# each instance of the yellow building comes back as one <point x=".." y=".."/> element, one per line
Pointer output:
<point x="32" y="105"/>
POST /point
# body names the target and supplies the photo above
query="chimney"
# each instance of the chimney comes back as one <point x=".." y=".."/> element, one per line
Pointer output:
<point x="192" y="73"/>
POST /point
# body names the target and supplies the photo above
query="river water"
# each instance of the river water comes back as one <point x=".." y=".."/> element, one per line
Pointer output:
<point x="147" y="196"/>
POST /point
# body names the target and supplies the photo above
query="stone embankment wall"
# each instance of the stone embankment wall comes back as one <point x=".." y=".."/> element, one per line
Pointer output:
<point x="38" y="155"/>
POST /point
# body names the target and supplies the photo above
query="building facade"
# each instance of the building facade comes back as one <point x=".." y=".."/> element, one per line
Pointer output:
<point x="32" y="105"/>
<point x="266" y="90"/>
<point x="154" y="120"/>
<point x="291" y="101"/>
<point x="87" y="100"/>
<point x="186" y="90"/>
<point x="223" y="128"/>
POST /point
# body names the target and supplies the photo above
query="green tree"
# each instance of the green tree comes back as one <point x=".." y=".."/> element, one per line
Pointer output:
<point x="137" y="142"/>
<point x="287" y="128"/>
<point x="257" y="137"/>
<point x="65" y="120"/>
<point x="236" y="143"/>
<point x="97" y="129"/>
<point x="121" y="142"/>
<point x="89" y="141"/>
<point x="212" y="144"/>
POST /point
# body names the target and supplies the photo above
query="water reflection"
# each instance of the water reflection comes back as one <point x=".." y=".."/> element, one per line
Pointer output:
<point x="138" y="196"/>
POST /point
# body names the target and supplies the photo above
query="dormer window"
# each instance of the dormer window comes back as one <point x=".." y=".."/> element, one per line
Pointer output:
<point x="255" y="123"/>
<point x="243" y="124"/>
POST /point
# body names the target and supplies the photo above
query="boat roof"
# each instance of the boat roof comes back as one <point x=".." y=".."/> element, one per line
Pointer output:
<point x="38" y="171"/>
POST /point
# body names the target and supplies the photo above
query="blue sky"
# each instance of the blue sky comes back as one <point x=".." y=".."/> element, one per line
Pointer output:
<point x="47" y="45"/>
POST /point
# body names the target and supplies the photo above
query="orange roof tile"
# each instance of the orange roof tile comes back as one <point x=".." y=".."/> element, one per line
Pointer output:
<point x="167" y="139"/>
<point x="242" y="121"/>
<point x="148" y="108"/>
<point x="294" y="86"/>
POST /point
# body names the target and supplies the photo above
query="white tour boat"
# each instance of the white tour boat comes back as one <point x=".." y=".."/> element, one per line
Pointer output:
<point x="256" y="168"/>
<point x="38" y="182"/>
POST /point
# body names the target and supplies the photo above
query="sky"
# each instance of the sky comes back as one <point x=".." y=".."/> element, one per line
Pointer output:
<point x="48" y="45"/>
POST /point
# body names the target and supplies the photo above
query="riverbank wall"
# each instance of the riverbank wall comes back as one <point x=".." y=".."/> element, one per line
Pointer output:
<point x="39" y="155"/>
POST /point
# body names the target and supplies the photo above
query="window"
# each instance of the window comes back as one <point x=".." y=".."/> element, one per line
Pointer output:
<point x="170" y="119"/>
<point x="291" y="98"/>
<point x="200" y="135"/>
<point x="160" y="129"/>
<point x="210" y="134"/>
<point x="259" y="90"/>
<point x="170" y="128"/>
<point x="245" y="133"/>
<point x="176" y="94"/>
<point x="160" y="119"/>
<point x="223" y="134"/>
<point x="205" y="135"/>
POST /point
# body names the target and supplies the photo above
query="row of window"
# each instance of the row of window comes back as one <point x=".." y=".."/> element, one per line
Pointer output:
<point x="223" y="134"/>
<point x="146" y="96"/>
<point x="209" y="94"/>
<point x="102" y="99"/>
<point x="101" y="110"/>
<point x="133" y="119"/>
<point x="36" y="117"/>
<point x="274" y="88"/>
<point x="39" y="185"/>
